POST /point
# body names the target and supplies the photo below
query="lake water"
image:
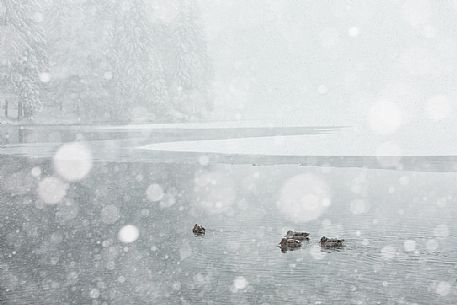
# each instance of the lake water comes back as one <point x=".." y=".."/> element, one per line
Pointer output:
<point x="399" y="227"/>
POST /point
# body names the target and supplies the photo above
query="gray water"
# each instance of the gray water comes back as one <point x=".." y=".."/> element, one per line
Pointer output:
<point x="400" y="236"/>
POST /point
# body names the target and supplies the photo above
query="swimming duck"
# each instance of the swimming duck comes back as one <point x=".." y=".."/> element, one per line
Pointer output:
<point x="331" y="242"/>
<point x="297" y="235"/>
<point x="289" y="243"/>
<point x="198" y="230"/>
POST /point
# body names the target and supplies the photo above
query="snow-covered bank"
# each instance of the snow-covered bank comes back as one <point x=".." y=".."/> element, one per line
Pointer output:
<point x="155" y="126"/>
<point x="215" y="125"/>
<point x="351" y="141"/>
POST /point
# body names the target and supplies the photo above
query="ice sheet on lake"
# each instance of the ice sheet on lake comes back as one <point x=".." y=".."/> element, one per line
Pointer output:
<point x="353" y="141"/>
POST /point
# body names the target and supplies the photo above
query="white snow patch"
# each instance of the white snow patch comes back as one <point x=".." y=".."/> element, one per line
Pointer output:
<point x="388" y="148"/>
<point x="422" y="139"/>
<point x="438" y="107"/>
<point x="384" y="117"/>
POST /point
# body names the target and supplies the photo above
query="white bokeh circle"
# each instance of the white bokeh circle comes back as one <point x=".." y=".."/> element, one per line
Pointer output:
<point x="73" y="161"/>
<point x="304" y="198"/>
<point x="128" y="234"/>
<point x="52" y="190"/>
<point x="154" y="192"/>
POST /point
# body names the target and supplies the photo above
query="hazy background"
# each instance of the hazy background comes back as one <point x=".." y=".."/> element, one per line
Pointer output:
<point x="314" y="62"/>
<point x="389" y="63"/>
<point x="385" y="69"/>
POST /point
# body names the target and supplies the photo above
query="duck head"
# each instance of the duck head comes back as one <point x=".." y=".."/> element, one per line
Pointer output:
<point x="324" y="239"/>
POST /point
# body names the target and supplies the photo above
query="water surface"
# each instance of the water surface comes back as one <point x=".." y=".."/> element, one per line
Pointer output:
<point x="399" y="228"/>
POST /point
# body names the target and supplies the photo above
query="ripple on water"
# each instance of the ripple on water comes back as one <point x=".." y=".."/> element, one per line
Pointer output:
<point x="239" y="247"/>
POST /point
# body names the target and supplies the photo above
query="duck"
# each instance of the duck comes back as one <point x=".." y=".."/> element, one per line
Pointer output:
<point x="289" y="243"/>
<point x="297" y="235"/>
<point x="331" y="242"/>
<point x="198" y="230"/>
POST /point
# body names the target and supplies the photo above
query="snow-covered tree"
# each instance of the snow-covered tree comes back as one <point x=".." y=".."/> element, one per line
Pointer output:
<point x="161" y="68"/>
<point x="137" y="76"/>
<point x="111" y="59"/>
<point x="78" y="44"/>
<point x="188" y="68"/>
<point x="24" y="49"/>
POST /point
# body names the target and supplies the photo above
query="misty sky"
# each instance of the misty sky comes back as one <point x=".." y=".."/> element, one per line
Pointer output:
<point x="315" y="62"/>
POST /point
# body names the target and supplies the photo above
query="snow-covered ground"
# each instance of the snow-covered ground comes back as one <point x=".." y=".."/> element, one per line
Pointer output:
<point x="264" y="138"/>
<point x="429" y="140"/>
